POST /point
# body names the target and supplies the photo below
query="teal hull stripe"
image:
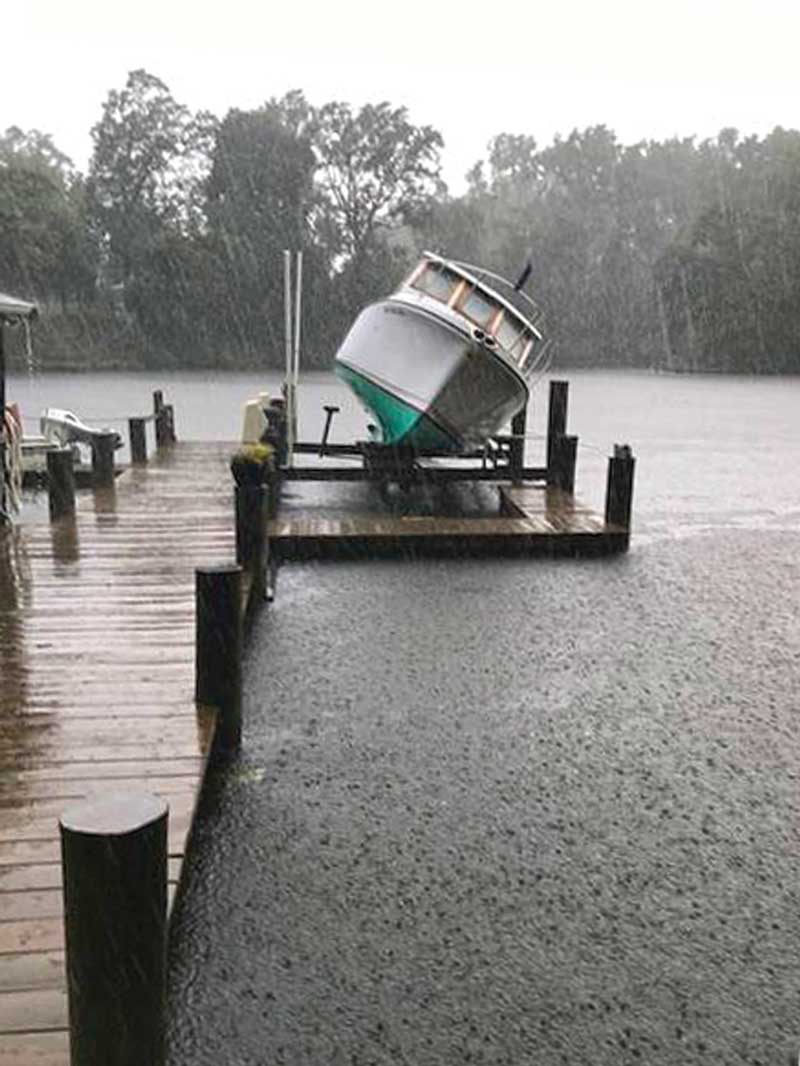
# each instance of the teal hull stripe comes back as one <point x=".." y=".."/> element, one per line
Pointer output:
<point x="400" y="422"/>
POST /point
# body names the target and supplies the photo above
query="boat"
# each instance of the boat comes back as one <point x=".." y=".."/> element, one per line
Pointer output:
<point x="63" y="428"/>
<point x="445" y="361"/>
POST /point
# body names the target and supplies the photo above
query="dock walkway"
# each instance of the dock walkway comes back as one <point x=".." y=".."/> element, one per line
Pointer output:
<point x="96" y="693"/>
<point x="531" y="520"/>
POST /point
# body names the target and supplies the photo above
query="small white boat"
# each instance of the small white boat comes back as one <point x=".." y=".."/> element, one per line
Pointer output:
<point x="446" y="360"/>
<point x="63" y="428"/>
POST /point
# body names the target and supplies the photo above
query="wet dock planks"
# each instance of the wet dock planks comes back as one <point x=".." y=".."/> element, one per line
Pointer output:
<point x="531" y="519"/>
<point x="96" y="693"/>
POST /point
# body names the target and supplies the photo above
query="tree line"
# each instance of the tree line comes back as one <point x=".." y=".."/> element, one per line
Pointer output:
<point x="672" y="255"/>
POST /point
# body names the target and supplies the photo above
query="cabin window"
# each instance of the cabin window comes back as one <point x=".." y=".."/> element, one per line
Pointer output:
<point x="436" y="281"/>
<point x="479" y="307"/>
<point x="509" y="332"/>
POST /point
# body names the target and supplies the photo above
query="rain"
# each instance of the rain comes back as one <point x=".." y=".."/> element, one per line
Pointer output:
<point x="475" y="790"/>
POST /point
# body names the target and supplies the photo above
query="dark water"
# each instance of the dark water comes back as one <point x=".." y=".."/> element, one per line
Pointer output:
<point x="517" y="812"/>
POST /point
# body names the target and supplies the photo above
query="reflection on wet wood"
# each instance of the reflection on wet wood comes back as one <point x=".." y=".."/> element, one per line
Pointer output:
<point x="96" y="693"/>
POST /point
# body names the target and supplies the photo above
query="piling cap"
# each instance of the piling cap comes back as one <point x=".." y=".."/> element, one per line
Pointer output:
<point x="113" y="813"/>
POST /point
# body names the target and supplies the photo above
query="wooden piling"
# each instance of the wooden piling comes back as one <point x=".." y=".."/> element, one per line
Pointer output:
<point x="277" y="429"/>
<point x="103" y="458"/>
<point x="251" y="533"/>
<point x="3" y="444"/>
<point x="60" y="483"/>
<point x="114" y="865"/>
<point x="273" y="487"/>
<point x="619" y="488"/>
<point x="556" y="415"/>
<point x="164" y="420"/>
<point x="218" y="649"/>
<point x="561" y="465"/>
<point x="137" y="434"/>
<point x="168" y="413"/>
<point x="516" y="458"/>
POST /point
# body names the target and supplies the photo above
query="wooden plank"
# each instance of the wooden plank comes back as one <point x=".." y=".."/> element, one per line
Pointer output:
<point x="131" y="768"/>
<point x="19" y="906"/>
<point x="97" y="694"/>
<point x="36" y="969"/>
<point x="30" y="935"/>
<point x="33" y="1011"/>
<point x="35" y="1049"/>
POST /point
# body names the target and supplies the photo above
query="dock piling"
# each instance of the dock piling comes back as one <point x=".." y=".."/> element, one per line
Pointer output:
<point x="60" y="483"/>
<point x="218" y="649"/>
<point x="103" y="459"/>
<point x="556" y="416"/>
<point x="114" y="864"/>
<point x="561" y="466"/>
<point x="251" y="533"/>
<point x="138" y="440"/>
<point x="164" y="420"/>
<point x="168" y="414"/>
<point x="619" y="488"/>
<point x="517" y="448"/>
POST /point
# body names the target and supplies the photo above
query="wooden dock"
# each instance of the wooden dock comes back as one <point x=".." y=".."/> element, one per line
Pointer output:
<point x="530" y="520"/>
<point x="96" y="694"/>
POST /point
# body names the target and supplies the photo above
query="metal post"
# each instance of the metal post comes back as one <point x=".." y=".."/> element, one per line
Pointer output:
<point x="60" y="483"/>
<point x="330" y="410"/>
<point x="288" y="384"/>
<point x="556" y="416"/>
<point x="138" y="438"/>
<point x="218" y="649"/>
<point x="298" y="292"/>
<point x="619" y="488"/>
<point x="114" y="864"/>
<point x="103" y="458"/>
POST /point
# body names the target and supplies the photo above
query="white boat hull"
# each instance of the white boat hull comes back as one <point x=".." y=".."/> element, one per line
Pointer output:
<point x="429" y="383"/>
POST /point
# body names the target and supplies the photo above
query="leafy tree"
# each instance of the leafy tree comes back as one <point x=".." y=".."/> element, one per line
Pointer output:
<point x="376" y="171"/>
<point x="260" y="196"/>
<point x="146" y="173"/>
<point x="46" y="248"/>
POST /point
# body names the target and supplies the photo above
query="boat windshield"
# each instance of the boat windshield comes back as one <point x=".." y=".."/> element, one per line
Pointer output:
<point x="482" y="308"/>
<point x="479" y="306"/>
<point x="437" y="281"/>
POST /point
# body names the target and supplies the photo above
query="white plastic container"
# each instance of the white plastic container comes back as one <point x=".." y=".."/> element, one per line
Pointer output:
<point x="254" y="421"/>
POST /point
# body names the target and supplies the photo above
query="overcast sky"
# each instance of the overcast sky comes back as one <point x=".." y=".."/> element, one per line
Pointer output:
<point x="643" y="69"/>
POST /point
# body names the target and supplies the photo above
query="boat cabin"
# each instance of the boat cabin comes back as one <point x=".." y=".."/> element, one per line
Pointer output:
<point x="492" y="316"/>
